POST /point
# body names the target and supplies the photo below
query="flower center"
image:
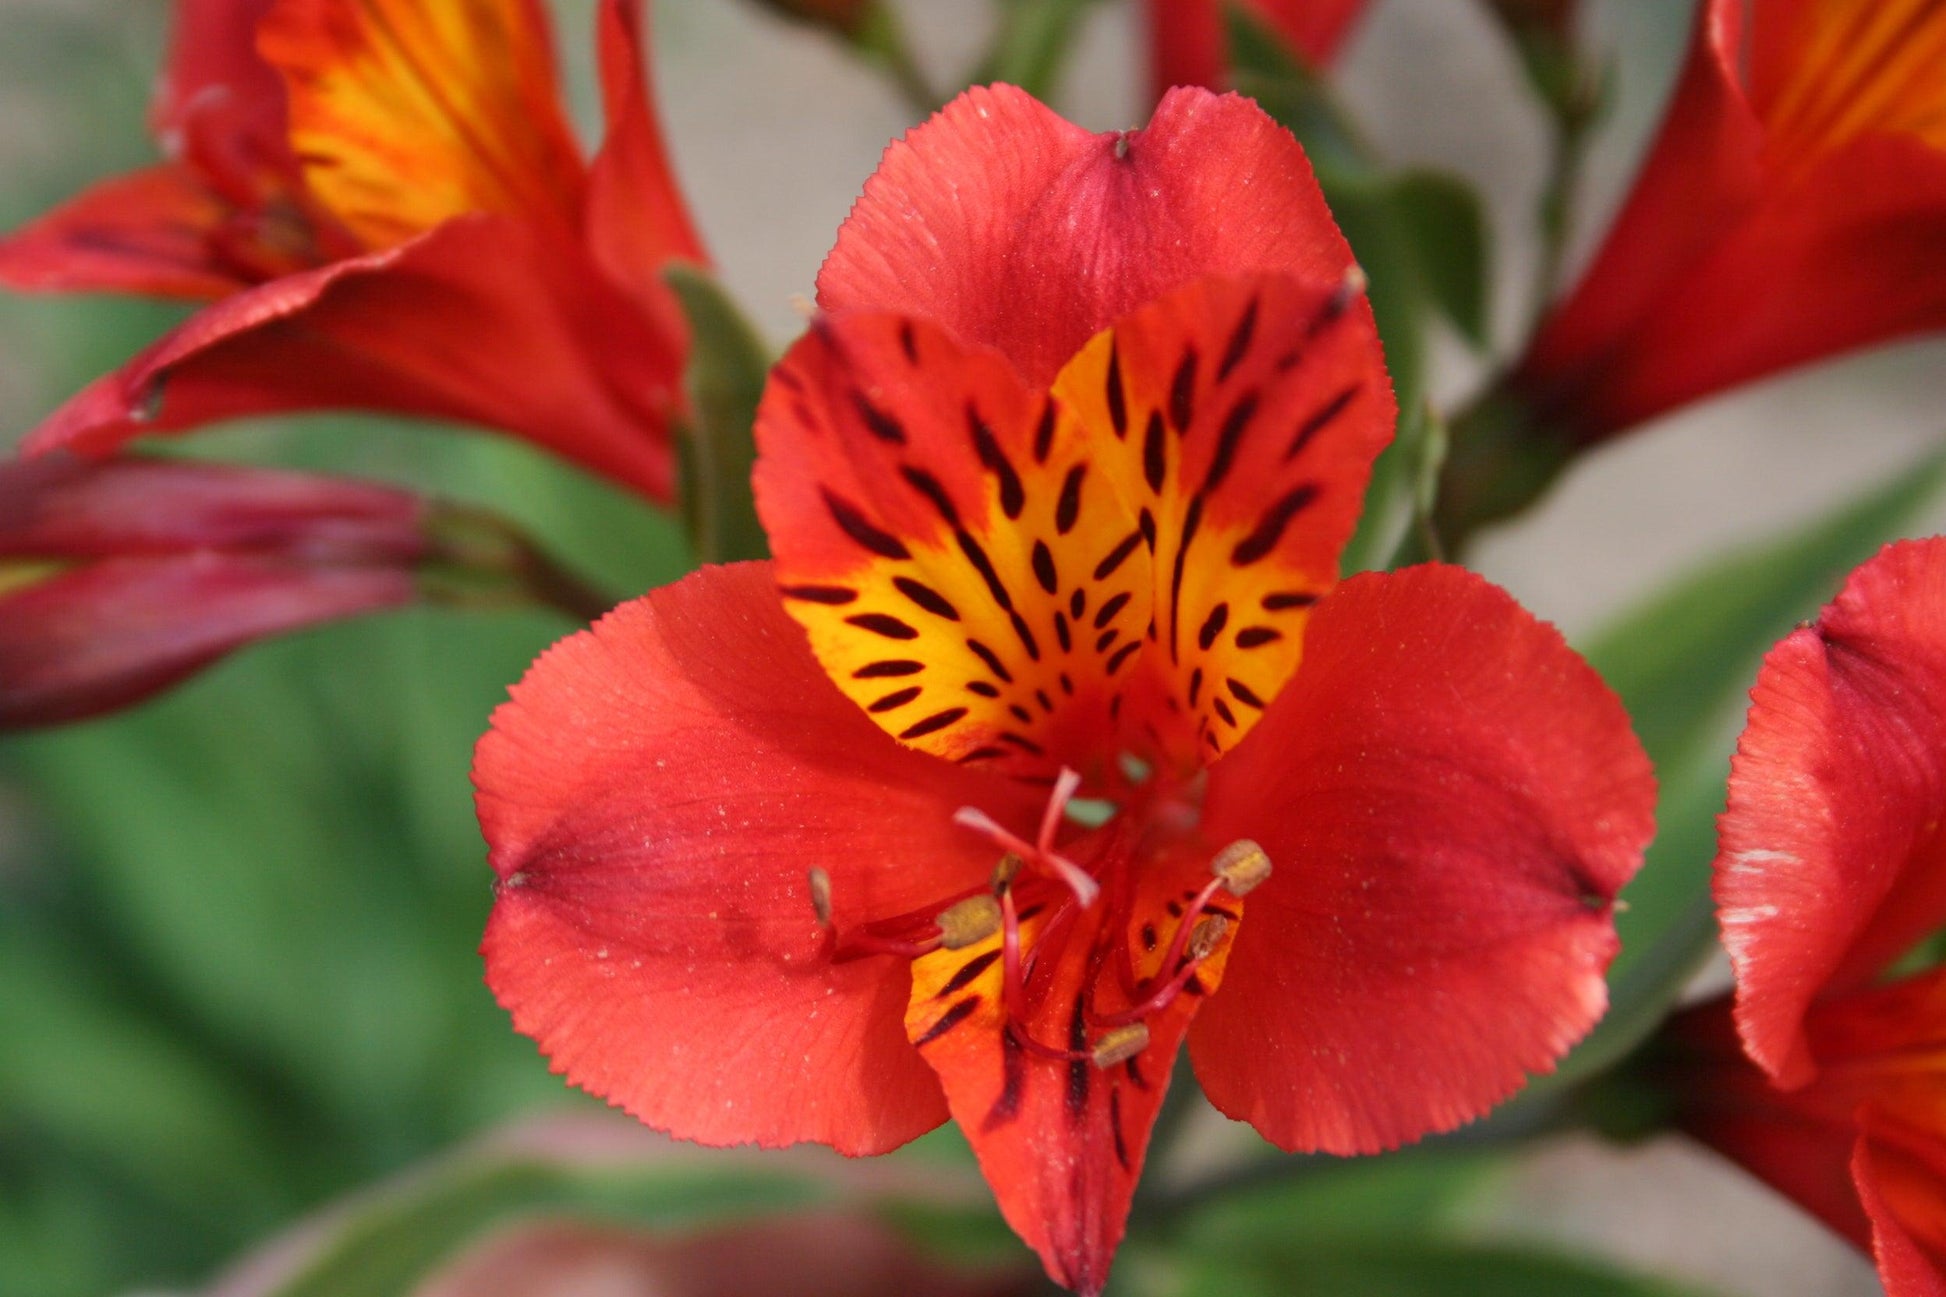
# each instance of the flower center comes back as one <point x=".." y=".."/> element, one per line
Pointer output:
<point x="1126" y="942"/>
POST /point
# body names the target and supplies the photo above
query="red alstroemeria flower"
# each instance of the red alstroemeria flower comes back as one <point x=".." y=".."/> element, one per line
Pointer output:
<point x="119" y="579"/>
<point x="1057" y="489"/>
<point x="388" y="210"/>
<point x="1188" y="47"/>
<point x="1793" y="207"/>
<point x="1832" y="867"/>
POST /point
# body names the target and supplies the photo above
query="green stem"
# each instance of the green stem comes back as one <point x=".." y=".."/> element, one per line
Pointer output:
<point x="478" y="559"/>
<point x="1499" y="461"/>
<point x="1515" y="1125"/>
<point x="1560" y="201"/>
<point x="883" y="40"/>
<point x="1031" y="44"/>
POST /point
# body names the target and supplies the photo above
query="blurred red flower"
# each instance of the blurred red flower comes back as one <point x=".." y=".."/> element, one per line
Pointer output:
<point x="1792" y="207"/>
<point x="1188" y="47"/>
<point x="1832" y="868"/>
<point x="119" y="579"/>
<point x="385" y="208"/>
<point x="1057" y="488"/>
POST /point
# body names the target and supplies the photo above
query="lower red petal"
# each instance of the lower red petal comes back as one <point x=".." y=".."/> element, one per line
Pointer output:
<point x="482" y="321"/>
<point x="1451" y="799"/>
<point x="1062" y="1141"/>
<point x="655" y="797"/>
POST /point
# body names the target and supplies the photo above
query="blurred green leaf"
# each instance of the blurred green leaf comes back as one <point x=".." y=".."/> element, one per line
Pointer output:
<point x="1319" y="1196"/>
<point x="728" y="364"/>
<point x="391" y="1241"/>
<point x="1031" y="44"/>
<point x="1366" y="209"/>
<point x="1446" y="228"/>
<point x="1263" y="67"/>
<point x="1683" y="663"/>
<point x="122" y="1087"/>
<point x="1420" y="237"/>
<point x="1406" y="1267"/>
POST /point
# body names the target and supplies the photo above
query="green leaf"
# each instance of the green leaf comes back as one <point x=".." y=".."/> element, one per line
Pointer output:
<point x="728" y="365"/>
<point x="1367" y="209"/>
<point x="91" y="1071"/>
<point x="1683" y="663"/>
<point x="1032" y="43"/>
<point x="1446" y="228"/>
<point x="1263" y="67"/>
<point x="1320" y="1196"/>
<point x="385" y="1247"/>
<point x="1407" y="1267"/>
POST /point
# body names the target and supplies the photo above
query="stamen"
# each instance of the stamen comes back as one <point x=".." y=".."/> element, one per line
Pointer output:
<point x="1196" y="939"/>
<point x="1066" y="784"/>
<point x="1005" y="872"/>
<point x="1013" y="989"/>
<point x="1240" y="866"/>
<point x="1206" y="935"/>
<point x="1120" y="1045"/>
<point x="858" y="944"/>
<point x="821" y="896"/>
<point x="1185" y="930"/>
<point x="969" y="922"/>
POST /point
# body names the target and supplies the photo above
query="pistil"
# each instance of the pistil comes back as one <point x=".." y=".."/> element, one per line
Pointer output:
<point x="1040" y="852"/>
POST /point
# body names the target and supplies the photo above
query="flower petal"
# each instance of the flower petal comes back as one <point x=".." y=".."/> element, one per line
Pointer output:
<point x="1062" y="1141"/>
<point x="482" y="321"/>
<point x="1452" y="799"/>
<point x="1203" y="459"/>
<point x="110" y="633"/>
<point x="1767" y="229"/>
<point x="404" y="114"/>
<point x="654" y="797"/>
<point x="149" y="232"/>
<point x="1854" y="255"/>
<point x="1831" y="860"/>
<point x="220" y="107"/>
<point x="1017" y="230"/>
<point x="637" y="221"/>
<point x="1246" y="414"/>
<point x="1702" y="172"/>
<point x="1904" y="1195"/>
<point x="1799" y="1143"/>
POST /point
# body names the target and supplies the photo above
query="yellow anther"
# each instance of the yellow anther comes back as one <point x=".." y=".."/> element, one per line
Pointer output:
<point x="1119" y="1044"/>
<point x="1241" y="866"/>
<point x="1004" y="872"/>
<point x="1203" y="938"/>
<point x="821" y="895"/>
<point x="969" y="922"/>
